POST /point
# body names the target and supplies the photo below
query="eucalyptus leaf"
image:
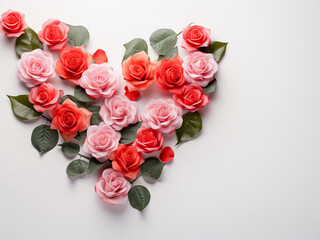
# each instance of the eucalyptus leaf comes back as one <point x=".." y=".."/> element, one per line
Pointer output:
<point x="73" y="99"/>
<point x="134" y="46"/>
<point x="218" y="49"/>
<point x="81" y="136"/>
<point x="211" y="87"/>
<point x="172" y="53"/>
<point x="163" y="40"/>
<point x="22" y="108"/>
<point x="70" y="149"/>
<point x="27" y="42"/>
<point x="129" y="134"/>
<point x="94" y="164"/>
<point x="81" y="95"/>
<point x="95" y="118"/>
<point x="44" y="139"/>
<point x="139" y="197"/>
<point x="78" y="36"/>
<point x="77" y="167"/>
<point x="152" y="168"/>
<point x="191" y="126"/>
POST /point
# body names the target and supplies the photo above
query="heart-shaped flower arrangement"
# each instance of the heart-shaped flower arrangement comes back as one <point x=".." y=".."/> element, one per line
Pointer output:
<point x="109" y="130"/>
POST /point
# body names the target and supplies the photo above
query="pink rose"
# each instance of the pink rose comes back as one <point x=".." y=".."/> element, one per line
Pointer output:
<point x="112" y="187"/>
<point x="194" y="37"/>
<point x="100" y="80"/>
<point x="45" y="97"/>
<point x="199" y="68"/>
<point x="12" y="23"/>
<point x="162" y="115"/>
<point x="101" y="141"/>
<point x="54" y="34"/>
<point x="148" y="140"/>
<point x="119" y="112"/>
<point x="35" y="67"/>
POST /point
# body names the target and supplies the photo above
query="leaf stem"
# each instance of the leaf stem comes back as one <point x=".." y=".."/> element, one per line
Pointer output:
<point x="45" y="118"/>
<point x="81" y="155"/>
<point x="135" y="179"/>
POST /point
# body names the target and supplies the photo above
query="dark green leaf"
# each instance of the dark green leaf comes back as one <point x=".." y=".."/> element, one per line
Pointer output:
<point x="211" y="87"/>
<point x="134" y="46"/>
<point x="22" y="108"/>
<point x="44" y="139"/>
<point x="139" y="197"/>
<point x="95" y="118"/>
<point x="163" y="40"/>
<point x="78" y="36"/>
<point x="70" y="149"/>
<point x="77" y="167"/>
<point x="129" y="134"/>
<point x="191" y="126"/>
<point x="27" y="42"/>
<point x="81" y="136"/>
<point x="73" y="99"/>
<point x="218" y="49"/>
<point x="152" y="168"/>
<point x="81" y="95"/>
<point x="174" y="52"/>
<point x="94" y="164"/>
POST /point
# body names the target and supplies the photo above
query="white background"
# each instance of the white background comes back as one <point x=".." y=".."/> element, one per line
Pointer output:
<point x="252" y="174"/>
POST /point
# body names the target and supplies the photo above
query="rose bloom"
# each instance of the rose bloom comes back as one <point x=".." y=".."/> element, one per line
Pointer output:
<point x="194" y="37"/>
<point x="169" y="74"/>
<point x="70" y="119"/>
<point x="119" y="112"/>
<point x="35" y="67"/>
<point x="191" y="98"/>
<point x="148" y="140"/>
<point x="112" y="187"/>
<point x="73" y="62"/>
<point x="12" y="23"/>
<point x="162" y="115"/>
<point x="199" y="68"/>
<point x="100" y="81"/>
<point x="137" y="70"/>
<point x="54" y="34"/>
<point x="126" y="159"/>
<point x="45" y="97"/>
<point x="101" y="141"/>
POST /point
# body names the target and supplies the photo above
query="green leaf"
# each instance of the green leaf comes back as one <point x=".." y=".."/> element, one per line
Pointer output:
<point x="22" y="108"/>
<point x="95" y="118"/>
<point x="70" y="149"/>
<point x="191" y="126"/>
<point x="129" y="134"/>
<point x="27" y="42"/>
<point x="77" y="167"/>
<point x="94" y="164"/>
<point x="78" y="36"/>
<point x="211" y="87"/>
<point x="139" y="197"/>
<point x="73" y="99"/>
<point x="44" y="139"/>
<point x="81" y="136"/>
<point x="134" y="46"/>
<point x="163" y="40"/>
<point x="174" y="52"/>
<point x="81" y="95"/>
<point x="218" y="50"/>
<point x="152" y="168"/>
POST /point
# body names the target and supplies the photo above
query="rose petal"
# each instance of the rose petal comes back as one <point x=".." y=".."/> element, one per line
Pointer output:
<point x="166" y="154"/>
<point x="100" y="56"/>
<point x="132" y="95"/>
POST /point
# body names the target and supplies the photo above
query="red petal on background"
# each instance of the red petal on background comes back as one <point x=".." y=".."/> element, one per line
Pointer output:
<point x="133" y="95"/>
<point x="166" y="154"/>
<point x="100" y="56"/>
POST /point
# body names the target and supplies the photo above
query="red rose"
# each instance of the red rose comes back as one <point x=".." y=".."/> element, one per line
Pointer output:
<point x="126" y="159"/>
<point x="194" y="37"/>
<point x="12" y="23"/>
<point x="191" y="97"/>
<point x="70" y="119"/>
<point x="45" y="97"/>
<point x="54" y="34"/>
<point x="148" y="140"/>
<point x="169" y="74"/>
<point x="73" y="62"/>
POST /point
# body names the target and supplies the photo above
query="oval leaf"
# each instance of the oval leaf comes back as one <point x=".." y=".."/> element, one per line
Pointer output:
<point x="163" y="40"/>
<point x="73" y="99"/>
<point x="76" y="167"/>
<point x="134" y="46"/>
<point x="27" y="42"/>
<point x="191" y="126"/>
<point x="152" y="168"/>
<point x="22" y="108"/>
<point x="94" y="164"/>
<point x="129" y="134"/>
<point x="211" y="87"/>
<point x="81" y="136"/>
<point x="44" y="139"/>
<point x="172" y="53"/>
<point x="81" y="95"/>
<point x="218" y="49"/>
<point x="78" y="36"/>
<point x="139" y="197"/>
<point x="95" y="118"/>
<point x="70" y="149"/>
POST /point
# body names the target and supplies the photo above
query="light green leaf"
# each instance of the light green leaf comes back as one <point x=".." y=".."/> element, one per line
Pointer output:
<point x="73" y="99"/>
<point x="81" y="95"/>
<point x="27" y="42"/>
<point x="95" y="118"/>
<point x="134" y="46"/>
<point x="139" y="197"/>
<point x="22" y="108"/>
<point x="44" y="139"/>
<point x="211" y="87"/>
<point x="129" y="134"/>
<point x="70" y="149"/>
<point x="78" y="36"/>
<point x="174" y="52"/>
<point x="191" y="126"/>
<point x="163" y="40"/>
<point x="77" y="167"/>
<point x="94" y="164"/>
<point x="218" y="49"/>
<point x="152" y="168"/>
